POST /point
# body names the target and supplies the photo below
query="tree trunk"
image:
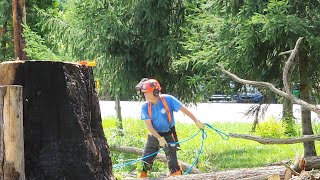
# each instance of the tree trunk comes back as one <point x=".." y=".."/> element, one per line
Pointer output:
<point x="287" y="106"/>
<point x="11" y="137"/>
<point x="287" y="109"/>
<point x="19" y="18"/>
<point x="63" y="134"/>
<point x="118" y="110"/>
<point x="1" y="31"/>
<point x="263" y="173"/>
<point x="309" y="147"/>
<point x="287" y="117"/>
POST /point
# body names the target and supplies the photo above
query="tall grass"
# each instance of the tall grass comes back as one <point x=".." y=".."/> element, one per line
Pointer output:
<point x="218" y="154"/>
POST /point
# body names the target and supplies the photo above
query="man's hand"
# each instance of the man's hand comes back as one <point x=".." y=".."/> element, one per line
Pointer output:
<point x="200" y="124"/>
<point x="162" y="142"/>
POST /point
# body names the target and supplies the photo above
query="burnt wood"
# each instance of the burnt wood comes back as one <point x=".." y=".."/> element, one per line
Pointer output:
<point x="63" y="134"/>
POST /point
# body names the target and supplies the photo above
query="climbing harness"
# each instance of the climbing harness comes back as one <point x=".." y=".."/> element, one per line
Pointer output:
<point x="203" y="135"/>
<point x="165" y="104"/>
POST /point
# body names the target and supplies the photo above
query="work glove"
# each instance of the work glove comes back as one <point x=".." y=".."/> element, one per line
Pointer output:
<point x="200" y="124"/>
<point x="162" y="142"/>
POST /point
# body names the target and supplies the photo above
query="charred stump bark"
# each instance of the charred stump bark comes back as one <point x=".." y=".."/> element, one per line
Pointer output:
<point x="63" y="135"/>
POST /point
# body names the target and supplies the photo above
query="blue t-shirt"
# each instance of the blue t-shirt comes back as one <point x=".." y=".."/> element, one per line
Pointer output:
<point x="160" y="120"/>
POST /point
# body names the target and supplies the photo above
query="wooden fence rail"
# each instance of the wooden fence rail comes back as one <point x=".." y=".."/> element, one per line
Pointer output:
<point x="11" y="133"/>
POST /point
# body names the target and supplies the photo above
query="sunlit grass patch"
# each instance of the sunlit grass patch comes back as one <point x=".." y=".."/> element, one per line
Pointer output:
<point x="218" y="154"/>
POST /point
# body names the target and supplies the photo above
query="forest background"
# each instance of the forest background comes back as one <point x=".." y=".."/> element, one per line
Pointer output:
<point x="177" y="42"/>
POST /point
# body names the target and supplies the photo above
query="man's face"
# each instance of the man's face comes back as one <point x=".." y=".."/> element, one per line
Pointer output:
<point x="148" y="95"/>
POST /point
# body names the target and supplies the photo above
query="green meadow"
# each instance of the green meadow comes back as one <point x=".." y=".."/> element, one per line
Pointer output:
<point x="217" y="154"/>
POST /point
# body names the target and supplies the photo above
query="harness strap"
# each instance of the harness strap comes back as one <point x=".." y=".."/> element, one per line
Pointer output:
<point x="165" y="106"/>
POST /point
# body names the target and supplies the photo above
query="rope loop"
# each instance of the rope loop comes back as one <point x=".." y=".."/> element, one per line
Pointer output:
<point x="221" y="134"/>
<point x="204" y="136"/>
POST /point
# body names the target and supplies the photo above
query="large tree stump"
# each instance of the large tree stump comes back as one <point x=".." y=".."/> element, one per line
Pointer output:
<point x="63" y="135"/>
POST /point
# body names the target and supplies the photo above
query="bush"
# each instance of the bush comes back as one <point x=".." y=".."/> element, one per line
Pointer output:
<point x="271" y="129"/>
<point x="291" y="129"/>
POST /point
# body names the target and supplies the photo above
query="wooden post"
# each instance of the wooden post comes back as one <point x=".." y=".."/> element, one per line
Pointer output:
<point x="11" y="133"/>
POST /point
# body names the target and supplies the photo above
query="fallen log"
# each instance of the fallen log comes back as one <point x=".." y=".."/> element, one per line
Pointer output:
<point x="252" y="174"/>
<point x="312" y="162"/>
<point x="263" y="140"/>
<point x="160" y="156"/>
<point x="261" y="173"/>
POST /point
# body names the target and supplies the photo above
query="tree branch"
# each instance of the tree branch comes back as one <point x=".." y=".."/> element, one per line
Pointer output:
<point x="287" y="94"/>
<point x="287" y="66"/>
<point x="262" y="140"/>
<point x="286" y="52"/>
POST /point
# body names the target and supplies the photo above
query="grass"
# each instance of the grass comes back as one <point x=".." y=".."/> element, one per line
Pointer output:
<point x="218" y="154"/>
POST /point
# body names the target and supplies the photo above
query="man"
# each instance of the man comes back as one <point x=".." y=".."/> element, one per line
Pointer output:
<point x="157" y="113"/>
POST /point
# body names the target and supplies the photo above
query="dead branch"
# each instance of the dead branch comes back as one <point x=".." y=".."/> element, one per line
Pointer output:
<point x="160" y="156"/>
<point x="286" y="94"/>
<point x="292" y="170"/>
<point x="287" y="66"/>
<point x="286" y="52"/>
<point x="262" y="140"/>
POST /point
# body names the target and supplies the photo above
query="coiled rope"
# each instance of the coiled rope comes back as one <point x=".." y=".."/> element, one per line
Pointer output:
<point x="203" y="136"/>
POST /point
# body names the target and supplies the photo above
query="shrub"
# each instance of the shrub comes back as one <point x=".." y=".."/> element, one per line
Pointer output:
<point x="290" y="127"/>
<point x="271" y="129"/>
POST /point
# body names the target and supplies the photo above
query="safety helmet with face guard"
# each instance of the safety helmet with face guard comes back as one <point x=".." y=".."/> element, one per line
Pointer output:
<point x="151" y="85"/>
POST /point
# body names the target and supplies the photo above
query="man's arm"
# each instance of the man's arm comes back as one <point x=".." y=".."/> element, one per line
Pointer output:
<point x="162" y="141"/>
<point x="151" y="128"/>
<point x="191" y="116"/>
<point x="188" y="113"/>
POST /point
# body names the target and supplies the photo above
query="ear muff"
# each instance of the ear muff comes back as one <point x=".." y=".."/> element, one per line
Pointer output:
<point x="156" y="90"/>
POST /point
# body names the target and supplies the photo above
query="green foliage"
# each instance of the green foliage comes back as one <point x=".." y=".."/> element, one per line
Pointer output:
<point x="35" y="46"/>
<point x="6" y="40"/>
<point x="291" y="129"/>
<point x="4" y="11"/>
<point x="245" y="36"/>
<point x="128" y="39"/>
<point x="270" y="129"/>
<point x="195" y="69"/>
<point x="34" y="19"/>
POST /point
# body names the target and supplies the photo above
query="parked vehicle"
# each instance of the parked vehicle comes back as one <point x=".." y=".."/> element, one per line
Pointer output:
<point x="249" y="94"/>
<point x="222" y="98"/>
<point x="246" y="94"/>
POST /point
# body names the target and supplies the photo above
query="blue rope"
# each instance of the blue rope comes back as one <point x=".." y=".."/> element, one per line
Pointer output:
<point x="221" y="134"/>
<point x="139" y="159"/>
<point x="136" y="160"/>
<point x="204" y="136"/>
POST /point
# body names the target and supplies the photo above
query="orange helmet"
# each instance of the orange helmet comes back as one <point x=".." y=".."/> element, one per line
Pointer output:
<point x="151" y="85"/>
